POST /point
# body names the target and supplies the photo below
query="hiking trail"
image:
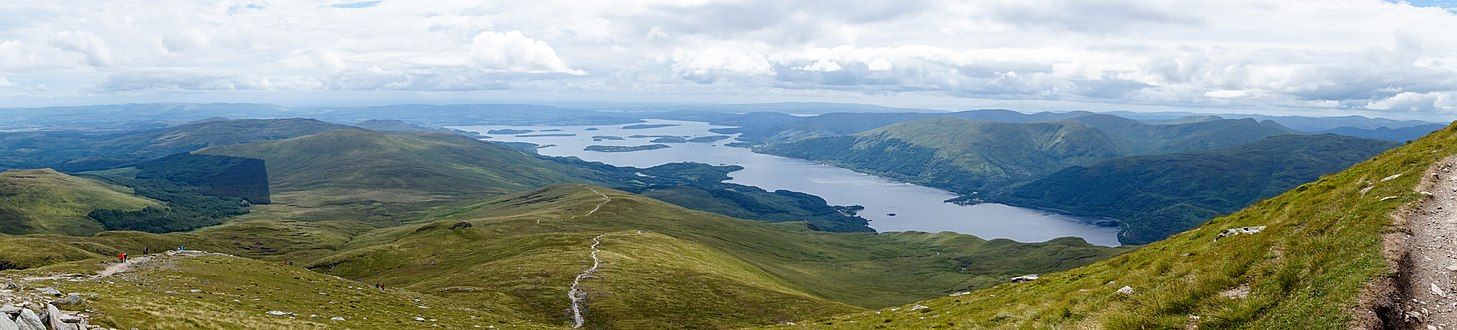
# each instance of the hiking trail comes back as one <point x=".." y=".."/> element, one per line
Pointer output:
<point x="1431" y="262"/>
<point x="576" y="294"/>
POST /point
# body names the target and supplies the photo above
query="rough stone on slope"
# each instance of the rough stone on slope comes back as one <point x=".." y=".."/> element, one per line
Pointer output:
<point x="7" y="324"/>
<point x="70" y="299"/>
<point x="29" y="321"/>
<point x="53" y="317"/>
<point x="49" y="291"/>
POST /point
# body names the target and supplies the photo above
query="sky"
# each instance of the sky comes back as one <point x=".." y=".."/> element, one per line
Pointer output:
<point x="1384" y="58"/>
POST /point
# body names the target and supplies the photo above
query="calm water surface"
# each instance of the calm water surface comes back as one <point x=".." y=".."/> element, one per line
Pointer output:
<point x="916" y="208"/>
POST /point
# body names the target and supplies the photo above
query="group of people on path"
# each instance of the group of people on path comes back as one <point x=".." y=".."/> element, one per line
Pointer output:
<point x="122" y="256"/>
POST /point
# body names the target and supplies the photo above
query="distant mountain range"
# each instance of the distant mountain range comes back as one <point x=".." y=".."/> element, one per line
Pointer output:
<point x="398" y="226"/>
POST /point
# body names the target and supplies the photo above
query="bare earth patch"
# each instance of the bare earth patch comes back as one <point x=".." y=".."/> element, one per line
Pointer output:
<point x="1428" y="269"/>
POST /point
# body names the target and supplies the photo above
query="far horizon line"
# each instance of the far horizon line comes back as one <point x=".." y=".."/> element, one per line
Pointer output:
<point x="865" y="108"/>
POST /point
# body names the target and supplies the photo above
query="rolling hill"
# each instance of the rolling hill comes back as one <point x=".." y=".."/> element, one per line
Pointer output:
<point x="387" y="173"/>
<point x="50" y="202"/>
<point x="960" y="155"/>
<point x="79" y="151"/>
<point x="1160" y="195"/>
<point x="978" y="157"/>
<point x="512" y="260"/>
<point x="1399" y="134"/>
<point x="666" y="266"/>
<point x="1320" y="261"/>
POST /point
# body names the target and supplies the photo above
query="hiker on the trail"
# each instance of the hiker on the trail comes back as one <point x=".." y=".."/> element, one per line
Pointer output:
<point x="145" y="250"/>
<point x="181" y="248"/>
<point x="123" y="257"/>
<point x="120" y="257"/>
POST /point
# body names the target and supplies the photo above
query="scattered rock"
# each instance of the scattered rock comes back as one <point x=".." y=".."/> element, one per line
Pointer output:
<point x="1387" y="198"/>
<point x="419" y="319"/>
<point x="281" y="313"/>
<point x="958" y="294"/>
<point x="1125" y="290"/>
<point x="461" y="225"/>
<point x="337" y="318"/>
<point x="1024" y="278"/>
<point x="1392" y="177"/>
<point x="1452" y="268"/>
<point x="29" y="321"/>
<point x="71" y="299"/>
<point x="49" y="291"/>
<point x="9" y="309"/>
<point x="53" y="317"/>
<point x="1240" y="230"/>
<point x="1438" y="291"/>
<point x="1236" y="293"/>
<point x="7" y="324"/>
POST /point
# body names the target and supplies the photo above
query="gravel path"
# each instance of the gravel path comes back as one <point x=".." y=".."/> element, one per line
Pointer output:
<point x="1433" y="253"/>
<point x="576" y="294"/>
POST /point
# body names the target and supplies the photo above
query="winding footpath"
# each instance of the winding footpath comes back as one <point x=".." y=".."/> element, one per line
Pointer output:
<point x="1431" y="271"/>
<point x="576" y="295"/>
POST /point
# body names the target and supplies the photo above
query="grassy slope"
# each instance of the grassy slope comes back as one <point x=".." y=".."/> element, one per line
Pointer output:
<point x="1306" y="270"/>
<point x="76" y="151"/>
<point x="685" y="268"/>
<point x="960" y="155"/>
<point x="233" y="292"/>
<point x="46" y="201"/>
<point x="1142" y="138"/>
<point x="378" y="175"/>
<point x="1161" y="195"/>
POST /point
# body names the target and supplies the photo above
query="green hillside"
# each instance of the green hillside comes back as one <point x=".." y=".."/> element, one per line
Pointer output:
<point x="960" y="155"/>
<point x="661" y="265"/>
<point x="668" y="266"/>
<point x="380" y="176"/>
<point x="1140" y="138"/>
<point x="214" y="291"/>
<point x="383" y="173"/>
<point x="46" y="201"/>
<point x="1320" y="250"/>
<point x="1161" y="195"/>
<point x="980" y="157"/>
<point x="80" y="151"/>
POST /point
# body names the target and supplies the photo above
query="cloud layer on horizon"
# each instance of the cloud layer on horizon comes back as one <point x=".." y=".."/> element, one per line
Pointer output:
<point x="1364" y="55"/>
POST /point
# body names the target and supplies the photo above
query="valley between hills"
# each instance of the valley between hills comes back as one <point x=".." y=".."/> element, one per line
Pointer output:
<point x="394" y="221"/>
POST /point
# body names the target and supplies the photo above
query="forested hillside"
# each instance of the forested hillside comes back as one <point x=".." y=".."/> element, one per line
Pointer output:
<point x="1160" y="195"/>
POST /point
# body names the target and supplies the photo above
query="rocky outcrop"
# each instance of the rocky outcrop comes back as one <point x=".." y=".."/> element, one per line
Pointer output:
<point x="40" y="309"/>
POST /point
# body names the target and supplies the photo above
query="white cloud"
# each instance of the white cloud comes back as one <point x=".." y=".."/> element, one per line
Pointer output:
<point x="1445" y="102"/>
<point x="1327" y="55"/>
<point x="512" y="51"/>
<point x="822" y="66"/>
<point x="713" y="64"/>
<point x="5" y="82"/>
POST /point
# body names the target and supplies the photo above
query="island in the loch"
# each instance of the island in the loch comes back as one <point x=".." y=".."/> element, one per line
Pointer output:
<point x="670" y="139"/>
<point x="509" y="131"/>
<point x="710" y="138"/>
<point x="548" y="135"/>
<point x="602" y="148"/>
<point x="647" y="126"/>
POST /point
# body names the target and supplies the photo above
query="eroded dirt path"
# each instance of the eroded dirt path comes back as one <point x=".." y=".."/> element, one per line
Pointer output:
<point x="576" y="294"/>
<point x="1432" y="262"/>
